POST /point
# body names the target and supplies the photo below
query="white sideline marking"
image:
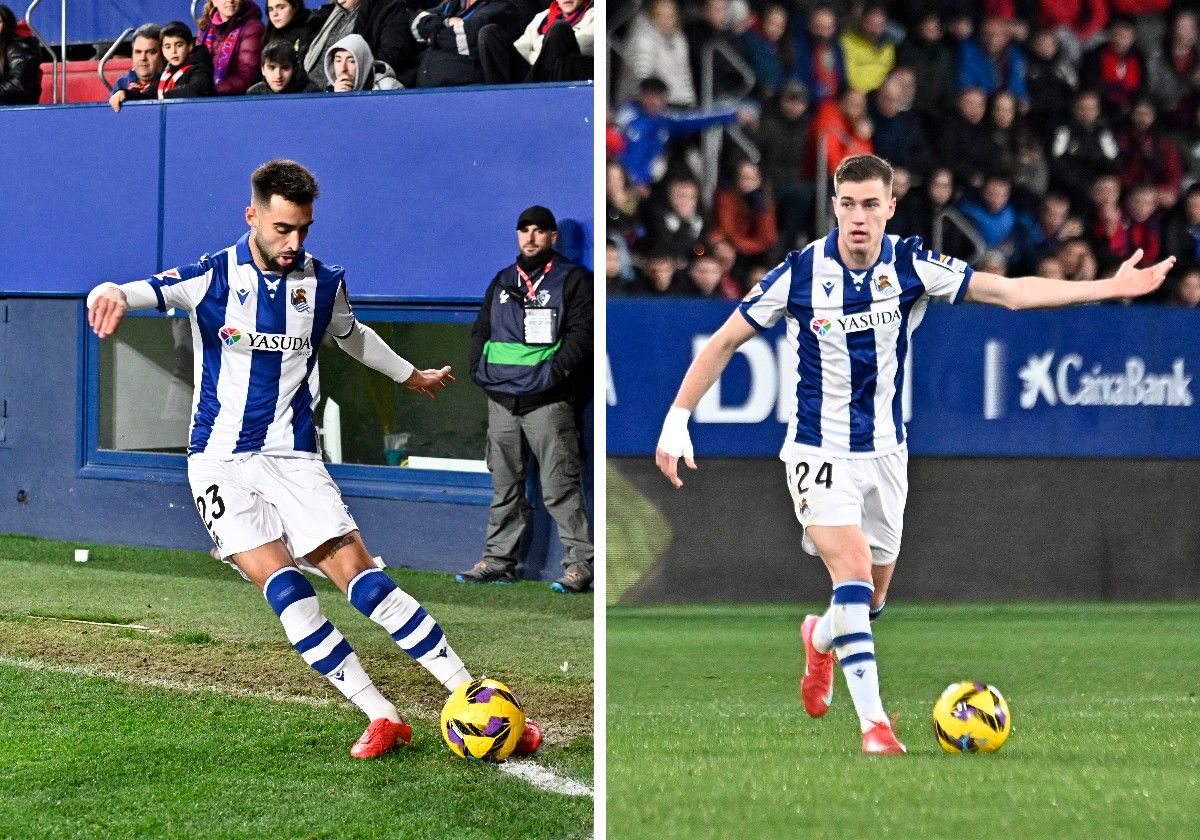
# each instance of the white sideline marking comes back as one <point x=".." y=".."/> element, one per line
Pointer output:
<point x="141" y="627"/>
<point x="527" y="771"/>
<point x="545" y="778"/>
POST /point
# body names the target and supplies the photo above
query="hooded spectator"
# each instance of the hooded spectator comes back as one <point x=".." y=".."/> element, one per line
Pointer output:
<point x="20" y="64"/>
<point x="232" y="32"/>
<point x="349" y="66"/>
<point x="384" y="24"/>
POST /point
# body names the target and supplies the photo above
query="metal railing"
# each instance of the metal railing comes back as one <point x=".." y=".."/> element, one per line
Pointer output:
<point x="958" y="220"/>
<point x="821" y="225"/>
<point x="710" y="141"/>
<point x="109" y="54"/>
<point x="46" y="46"/>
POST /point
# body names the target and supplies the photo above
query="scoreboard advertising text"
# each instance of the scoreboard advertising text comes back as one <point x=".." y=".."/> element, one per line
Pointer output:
<point x="1096" y="381"/>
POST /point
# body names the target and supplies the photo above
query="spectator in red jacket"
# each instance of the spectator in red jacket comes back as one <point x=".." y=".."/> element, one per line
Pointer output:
<point x="232" y="31"/>
<point x="744" y="214"/>
<point x="1116" y="68"/>
<point x="1150" y="155"/>
<point x="845" y="127"/>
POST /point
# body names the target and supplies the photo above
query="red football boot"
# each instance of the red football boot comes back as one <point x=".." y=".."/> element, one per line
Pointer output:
<point x="881" y="740"/>
<point x="381" y="735"/>
<point x="530" y="740"/>
<point x="816" y="687"/>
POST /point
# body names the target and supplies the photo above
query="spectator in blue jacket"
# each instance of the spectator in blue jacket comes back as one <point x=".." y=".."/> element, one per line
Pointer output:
<point x="647" y="127"/>
<point x="992" y="62"/>
<point x="820" y="62"/>
<point x="995" y="217"/>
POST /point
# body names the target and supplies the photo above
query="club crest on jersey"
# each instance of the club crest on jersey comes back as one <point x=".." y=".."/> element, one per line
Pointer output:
<point x="300" y="300"/>
<point x="543" y="297"/>
<point x="884" y="285"/>
<point x="230" y="336"/>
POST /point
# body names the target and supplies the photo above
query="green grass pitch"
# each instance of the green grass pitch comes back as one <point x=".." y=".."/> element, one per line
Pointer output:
<point x="707" y="737"/>
<point x="208" y="724"/>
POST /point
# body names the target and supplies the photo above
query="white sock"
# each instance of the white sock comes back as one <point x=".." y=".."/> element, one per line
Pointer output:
<point x="855" y="649"/>
<point x="376" y="596"/>
<point x="822" y="637"/>
<point x="374" y="705"/>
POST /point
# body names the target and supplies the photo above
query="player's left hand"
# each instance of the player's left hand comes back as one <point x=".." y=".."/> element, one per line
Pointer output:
<point x="429" y="381"/>
<point x="1132" y="281"/>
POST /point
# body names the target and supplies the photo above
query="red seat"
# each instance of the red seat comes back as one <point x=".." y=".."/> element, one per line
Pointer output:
<point x="83" y="85"/>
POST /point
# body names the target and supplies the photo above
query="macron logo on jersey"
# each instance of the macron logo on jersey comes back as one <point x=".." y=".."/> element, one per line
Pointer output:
<point x="274" y="342"/>
<point x="821" y="327"/>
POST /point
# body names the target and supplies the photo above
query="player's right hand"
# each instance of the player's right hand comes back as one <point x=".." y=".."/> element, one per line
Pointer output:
<point x="673" y="443"/>
<point x="106" y="308"/>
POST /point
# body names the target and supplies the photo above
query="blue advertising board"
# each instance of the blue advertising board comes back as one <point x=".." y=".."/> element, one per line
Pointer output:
<point x="99" y="21"/>
<point x="1096" y="381"/>
<point x="420" y="189"/>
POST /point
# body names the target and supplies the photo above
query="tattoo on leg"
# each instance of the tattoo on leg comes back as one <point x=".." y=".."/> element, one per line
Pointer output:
<point x="341" y="543"/>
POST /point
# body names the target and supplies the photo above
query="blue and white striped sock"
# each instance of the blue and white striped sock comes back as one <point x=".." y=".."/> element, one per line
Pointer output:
<point x="855" y="648"/>
<point x="376" y="596"/>
<point x="294" y="600"/>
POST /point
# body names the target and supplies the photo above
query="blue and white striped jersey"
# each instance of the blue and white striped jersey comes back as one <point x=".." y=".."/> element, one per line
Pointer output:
<point x="851" y="332"/>
<point x="255" y="338"/>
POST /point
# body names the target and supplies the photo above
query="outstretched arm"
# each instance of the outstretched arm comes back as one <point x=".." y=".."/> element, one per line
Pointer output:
<point x="364" y="344"/>
<point x="107" y="303"/>
<point x="1044" y="293"/>
<point x="704" y="371"/>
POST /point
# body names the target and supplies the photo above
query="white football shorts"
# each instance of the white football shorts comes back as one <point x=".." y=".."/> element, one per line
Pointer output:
<point x="251" y="500"/>
<point x="868" y="492"/>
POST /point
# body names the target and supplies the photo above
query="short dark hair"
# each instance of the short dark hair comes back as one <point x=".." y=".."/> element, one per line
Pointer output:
<point x="284" y="178"/>
<point x="652" y="84"/>
<point x="177" y="29"/>
<point x="278" y="51"/>
<point x="858" y="168"/>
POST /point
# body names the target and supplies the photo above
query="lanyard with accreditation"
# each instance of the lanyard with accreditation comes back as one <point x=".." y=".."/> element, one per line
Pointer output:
<point x="539" y="320"/>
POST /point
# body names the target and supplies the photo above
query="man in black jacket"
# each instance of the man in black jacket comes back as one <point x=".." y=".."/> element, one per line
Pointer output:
<point x="530" y="348"/>
<point x="20" y="64"/>
<point x="452" y="32"/>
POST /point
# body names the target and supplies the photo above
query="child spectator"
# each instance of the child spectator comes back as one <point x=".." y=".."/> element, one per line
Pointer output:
<point x="705" y="274"/>
<point x="20" y="64"/>
<point x="189" y="69"/>
<point x="232" y="32"/>
<point x="281" y="71"/>
<point x="660" y="277"/>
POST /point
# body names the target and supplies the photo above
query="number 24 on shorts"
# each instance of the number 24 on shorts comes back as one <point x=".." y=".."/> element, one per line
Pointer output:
<point x="824" y="476"/>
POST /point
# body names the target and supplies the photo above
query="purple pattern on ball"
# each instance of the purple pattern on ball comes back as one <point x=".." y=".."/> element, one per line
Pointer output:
<point x="1001" y="717"/>
<point x="964" y="712"/>
<point x="455" y="738"/>
<point x="484" y="695"/>
<point x="494" y="725"/>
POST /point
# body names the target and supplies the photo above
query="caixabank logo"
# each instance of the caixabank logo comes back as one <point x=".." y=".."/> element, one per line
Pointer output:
<point x="271" y="342"/>
<point x="1068" y="379"/>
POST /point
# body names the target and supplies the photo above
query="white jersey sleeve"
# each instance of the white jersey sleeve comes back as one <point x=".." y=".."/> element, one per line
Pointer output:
<point x="341" y="322"/>
<point x="945" y="278"/>
<point x="183" y="287"/>
<point x="767" y="302"/>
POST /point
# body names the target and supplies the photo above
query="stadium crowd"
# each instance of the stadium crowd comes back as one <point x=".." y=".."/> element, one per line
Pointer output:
<point x="347" y="45"/>
<point x="1049" y="137"/>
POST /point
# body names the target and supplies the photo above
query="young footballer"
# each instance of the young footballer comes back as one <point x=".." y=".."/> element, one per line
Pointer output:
<point x="851" y="301"/>
<point x="259" y="311"/>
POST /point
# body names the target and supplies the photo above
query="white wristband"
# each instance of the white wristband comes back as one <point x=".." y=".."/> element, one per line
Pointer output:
<point x="675" y="439"/>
